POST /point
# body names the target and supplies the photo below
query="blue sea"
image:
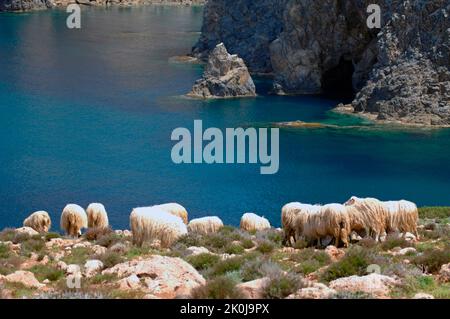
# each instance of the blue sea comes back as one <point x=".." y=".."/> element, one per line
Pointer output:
<point x="86" y="116"/>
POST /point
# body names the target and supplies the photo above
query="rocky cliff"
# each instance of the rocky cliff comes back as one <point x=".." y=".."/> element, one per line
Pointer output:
<point x="397" y="73"/>
<point x="24" y="5"/>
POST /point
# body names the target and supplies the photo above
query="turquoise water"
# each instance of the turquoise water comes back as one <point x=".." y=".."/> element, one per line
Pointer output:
<point x="86" y="116"/>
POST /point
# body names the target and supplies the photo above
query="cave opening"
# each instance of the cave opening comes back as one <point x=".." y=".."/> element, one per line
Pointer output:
<point x="337" y="81"/>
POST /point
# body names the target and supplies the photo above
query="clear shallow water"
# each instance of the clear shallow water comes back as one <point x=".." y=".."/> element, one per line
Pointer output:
<point x="86" y="115"/>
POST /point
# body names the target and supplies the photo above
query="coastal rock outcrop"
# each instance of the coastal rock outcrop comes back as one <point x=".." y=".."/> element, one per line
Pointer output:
<point x="225" y="76"/>
<point x="24" y="5"/>
<point x="164" y="277"/>
<point x="373" y="284"/>
<point x="399" y="72"/>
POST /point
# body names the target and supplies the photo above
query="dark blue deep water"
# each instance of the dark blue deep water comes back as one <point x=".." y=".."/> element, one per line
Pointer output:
<point x="86" y="116"/>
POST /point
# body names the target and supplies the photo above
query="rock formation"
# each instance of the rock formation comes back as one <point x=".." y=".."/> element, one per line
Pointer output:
<point x="398" y="73"/>
<point x="24" y="5"/>
<point x="225" y="76"/>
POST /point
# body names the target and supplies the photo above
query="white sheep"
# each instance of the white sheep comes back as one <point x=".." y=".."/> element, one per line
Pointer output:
<point x="402" y="217"/>
<point x="40" y="221"/>
<point x="175" y="209"/>
<point x="73" y="219"/>
<point x="151" y="223"/>
<point x="253" y="222"/>
<point x="205" y="225"/>
<point x="367" y="215"/>
<point x="288" y="214"/>
<point x="97" y="216"/>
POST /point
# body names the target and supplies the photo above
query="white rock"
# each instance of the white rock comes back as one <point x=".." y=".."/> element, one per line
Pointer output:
<point x="253" y="289"/>
<point x="422" y="295"/>
<point x="405" y="251"/>
<point x="25" y="278"/>
<point x="374" y="284"/>
<point x="73" y="269"/>
<point x="92" y="267"/>
<point x="194" y="250"/>
<point x="26" y="230"/>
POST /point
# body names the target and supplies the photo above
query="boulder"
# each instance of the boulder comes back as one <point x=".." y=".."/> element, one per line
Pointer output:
<point x="374" y="284"/>
<point x="334" y="253"/>
<point x="253" y="289"/>
<point x="130" y="282"/>
<point x="317" y="291"/>
<point x="26" y="230"/>
<point x="404" y="251"/>
<point x="25" y="278"/>
<point x="73" y="269"/>
<point x="119" y="248"/>
<point x="225" y="76"/>
<point x="92" y="267"/>
<point x="164" y="277"/>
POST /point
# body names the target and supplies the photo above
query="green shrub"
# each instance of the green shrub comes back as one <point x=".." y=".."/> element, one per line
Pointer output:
<point x="367" y="242"/>
<point x="351" y="295"/>
<point x="136" y="251"/>
<point x="393" y="241"/>
<point x="247" y="243"/>
<point x="10" y="264"/>
<point x="355" y="262"/>
<point x="4" y="251"/>
<point x="49" y="236"/>
<point x="227" y="265"/>
<point x="34" y="244"/>
<point x="432" y="260"/>
<point x="203" y="261"/>
<point x="100" y="279"/>
<point x="78" y="256"/>
<point x="300" y="244"/>
<point x="222" y="287"/>
<point x="95" y="233"/>
<point x="282" y="285"/>
<point x="271" y="234"/>
<point x="234" y="249"/>
<point x="434" y="212"/>
<point x="7" y="234"/>
<point x="310" y="260"/>
<point x="265" y="246"/>
<point x="110" y="259"/>
<point x="43" y="272"/>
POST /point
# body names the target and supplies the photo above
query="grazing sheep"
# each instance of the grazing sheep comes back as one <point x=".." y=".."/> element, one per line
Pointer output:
<point x="40" y="221"/>
<point x="175" y="209"/>
<point x="73" y="219"/>
<point x="253" y="222"/>
<point x="152" y="223"/>
<point x="316" y="222"/>
<point x="288" y="215"/>
<point x="402" y="217"/>
<point x="97" y="216"/>
<point x="205" y="225"/>
<point x="368" y="215"/>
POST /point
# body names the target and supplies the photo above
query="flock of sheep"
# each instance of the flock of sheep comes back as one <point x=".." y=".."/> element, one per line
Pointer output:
<point x="367" y="217"/>
<point x="168" y="222"/>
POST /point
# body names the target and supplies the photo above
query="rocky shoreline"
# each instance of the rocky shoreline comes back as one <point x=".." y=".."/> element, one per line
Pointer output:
<point x="32" y="5"/>
<point x="400" y="73"/>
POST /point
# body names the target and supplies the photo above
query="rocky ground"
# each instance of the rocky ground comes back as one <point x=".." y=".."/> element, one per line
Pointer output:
<point x="228" y="264"/>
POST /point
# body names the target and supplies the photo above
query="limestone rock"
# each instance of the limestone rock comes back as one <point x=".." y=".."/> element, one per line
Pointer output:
<point x="27" y="230"/>
<point x="253" y="289"/>
<point x="317" y="291"/>
<point x="334" y="253"/>
<point x="422" y="295"/>
<point x="164" y="277"/>
<point x="92" y="267"/>
<point x="225" y="76"/>
<point x="73" y="269"/>
<point x="25" y="278"/>
<point x="374" y="284"/>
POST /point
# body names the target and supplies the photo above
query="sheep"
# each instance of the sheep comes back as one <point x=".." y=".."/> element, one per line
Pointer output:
<point x="315" y="222"/>
<point x="402" y="217"/>
<point x="97" y="216"/>
<point x="40" y="221"/>
<point x="368" y="215"/>
<point x="205" y="225"/>
<point x="253" y="222"/>
<point x="73" y="219"/>
<point x="175" y="209"/>
<point x="152" y="223"/>
<point x="288" y="214"/>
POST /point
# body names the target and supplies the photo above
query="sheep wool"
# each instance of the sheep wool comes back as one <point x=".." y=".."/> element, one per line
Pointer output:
<point x="402" y="217"/>
<point x="97" y="216"/>
<point x="175" y="209"/>
<point x="40" y="221"/>
<point x="152" y="223"/>
<point x="205" y="225"/>
<point x="73" y="219"/>
<point x="253" y="222"/>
